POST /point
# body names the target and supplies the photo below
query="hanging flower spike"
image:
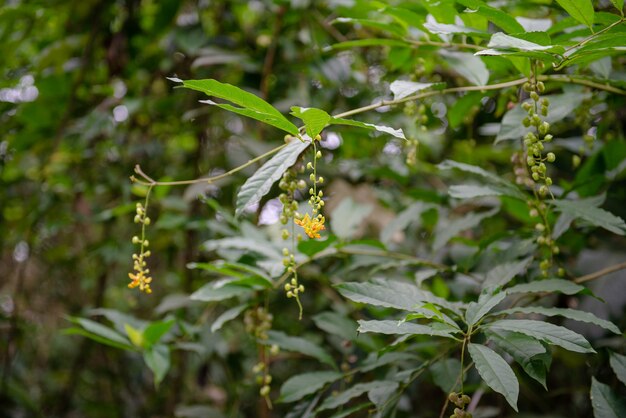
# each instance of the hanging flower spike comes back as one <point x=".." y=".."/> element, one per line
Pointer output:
<point x="311" y="226"/>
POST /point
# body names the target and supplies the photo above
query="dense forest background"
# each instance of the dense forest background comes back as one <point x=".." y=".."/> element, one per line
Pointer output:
<point x="85" y="96"/>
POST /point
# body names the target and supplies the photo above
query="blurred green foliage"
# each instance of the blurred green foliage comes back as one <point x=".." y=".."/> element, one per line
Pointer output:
<point x="84" y="97"/>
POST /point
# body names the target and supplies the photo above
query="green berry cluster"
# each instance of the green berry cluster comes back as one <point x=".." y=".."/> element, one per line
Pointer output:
<point x="412" y="109"/>
<point x="315" y="196"/>
<point x="262" y="372"/>
<point x="539" y="212"/>
<point x="263" y="378"/>
<point x="537" y="109"/>
<point x="289" y="184"/>
<point x="411" y="147"/>
<point x="257" y="322"/>
<point x="461" y="401"/>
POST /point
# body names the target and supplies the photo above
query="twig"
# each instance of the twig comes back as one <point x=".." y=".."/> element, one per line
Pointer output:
<point x="593" y="276"/>
<point x="149" y="181"/>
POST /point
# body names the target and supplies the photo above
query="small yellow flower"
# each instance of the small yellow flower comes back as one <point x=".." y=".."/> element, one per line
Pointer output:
<point x="311" y="226"/>
<point x="140" y="280"/>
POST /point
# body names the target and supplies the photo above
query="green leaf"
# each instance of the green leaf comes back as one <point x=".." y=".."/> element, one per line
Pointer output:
<point x="398" y="133"/>
<point x="382" y="394"/>
<point x="619" y="5"/>
<point x="402" y="328"/>
<point x="618" y="364"/>
<point x="496" y="373"/>
<point x="261" y="182"/>
<point x="581" y="10"/>
<point x="468" y="65"/>
<point x="357" y="43"/>
<point x="226" y="316"/>
<point x="446" y="29"/>
<point x="336" y="324"/>
<point x="525" y="351"/>
<point x="582" y="209"/>
<point x="464" y="108"/>
<point x="357" y="390"/>
<point x="315" y="120"/>
<point x="299" y="386"/>
<point x="388" y="27"/>
<point x="477" y="310"/>
<point x="97" y="338"/>
<point x="446" y="374"/>
<point x="404" y="219"/>
<point x="346" y="218"/>
<point x="157" y="359"/>
<point x="503" y="20"/>
<point x="246" y="244"/>
<point x="470" y="191"/>
<point x="550" y="333"/>
<point x="605" y="403"/>
<point x="507" y="42"/>
<point x="216" y="291"/>
<point x="135" y="336"/>
<point x="503" y="273"/>
<point x="250" y="105"/>
<point x="299" y="345"/>
<point x="548" y="285"/>
<point x="391" y="294"/>
<point x="402" y="88"/>
<point x="153" y="332"/>
<point x="574" y="314"/>
<point x="504" y="186"/>
<point x="447" y="229"/>
<point x="102" y="331"/>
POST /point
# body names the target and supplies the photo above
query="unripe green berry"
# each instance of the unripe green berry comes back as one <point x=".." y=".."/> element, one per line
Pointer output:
<point x="543" y="190"/>
<point x="540" y="227"/>
<point x="136" y="240"/>
<point x="551" y="157"/>
<point x="466" y="399"/>
<point x="526" y="122"/>
<point x="548" y="138"/>
<point x="548" y="181"/>
<point x="541" y="87"/>
<point x="318" y="155"/>
<point x="535" y="176"/>
<point x="265" y="390"/>
<point x="534" y="96"/>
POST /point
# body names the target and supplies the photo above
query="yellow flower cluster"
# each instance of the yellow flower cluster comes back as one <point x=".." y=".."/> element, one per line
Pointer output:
<point x="311" y="226"/>
<point x="140" y="280"/>
<point x="140" y="277"/>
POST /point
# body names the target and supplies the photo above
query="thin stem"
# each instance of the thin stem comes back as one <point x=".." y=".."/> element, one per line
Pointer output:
<point x="432" y="93"/>
<point x="151" y="182"/>
<point x="600" y="273"/>
<point x="444" y="44"/>
<point x="595" y="34"/>
<point x="562" y="78"/>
